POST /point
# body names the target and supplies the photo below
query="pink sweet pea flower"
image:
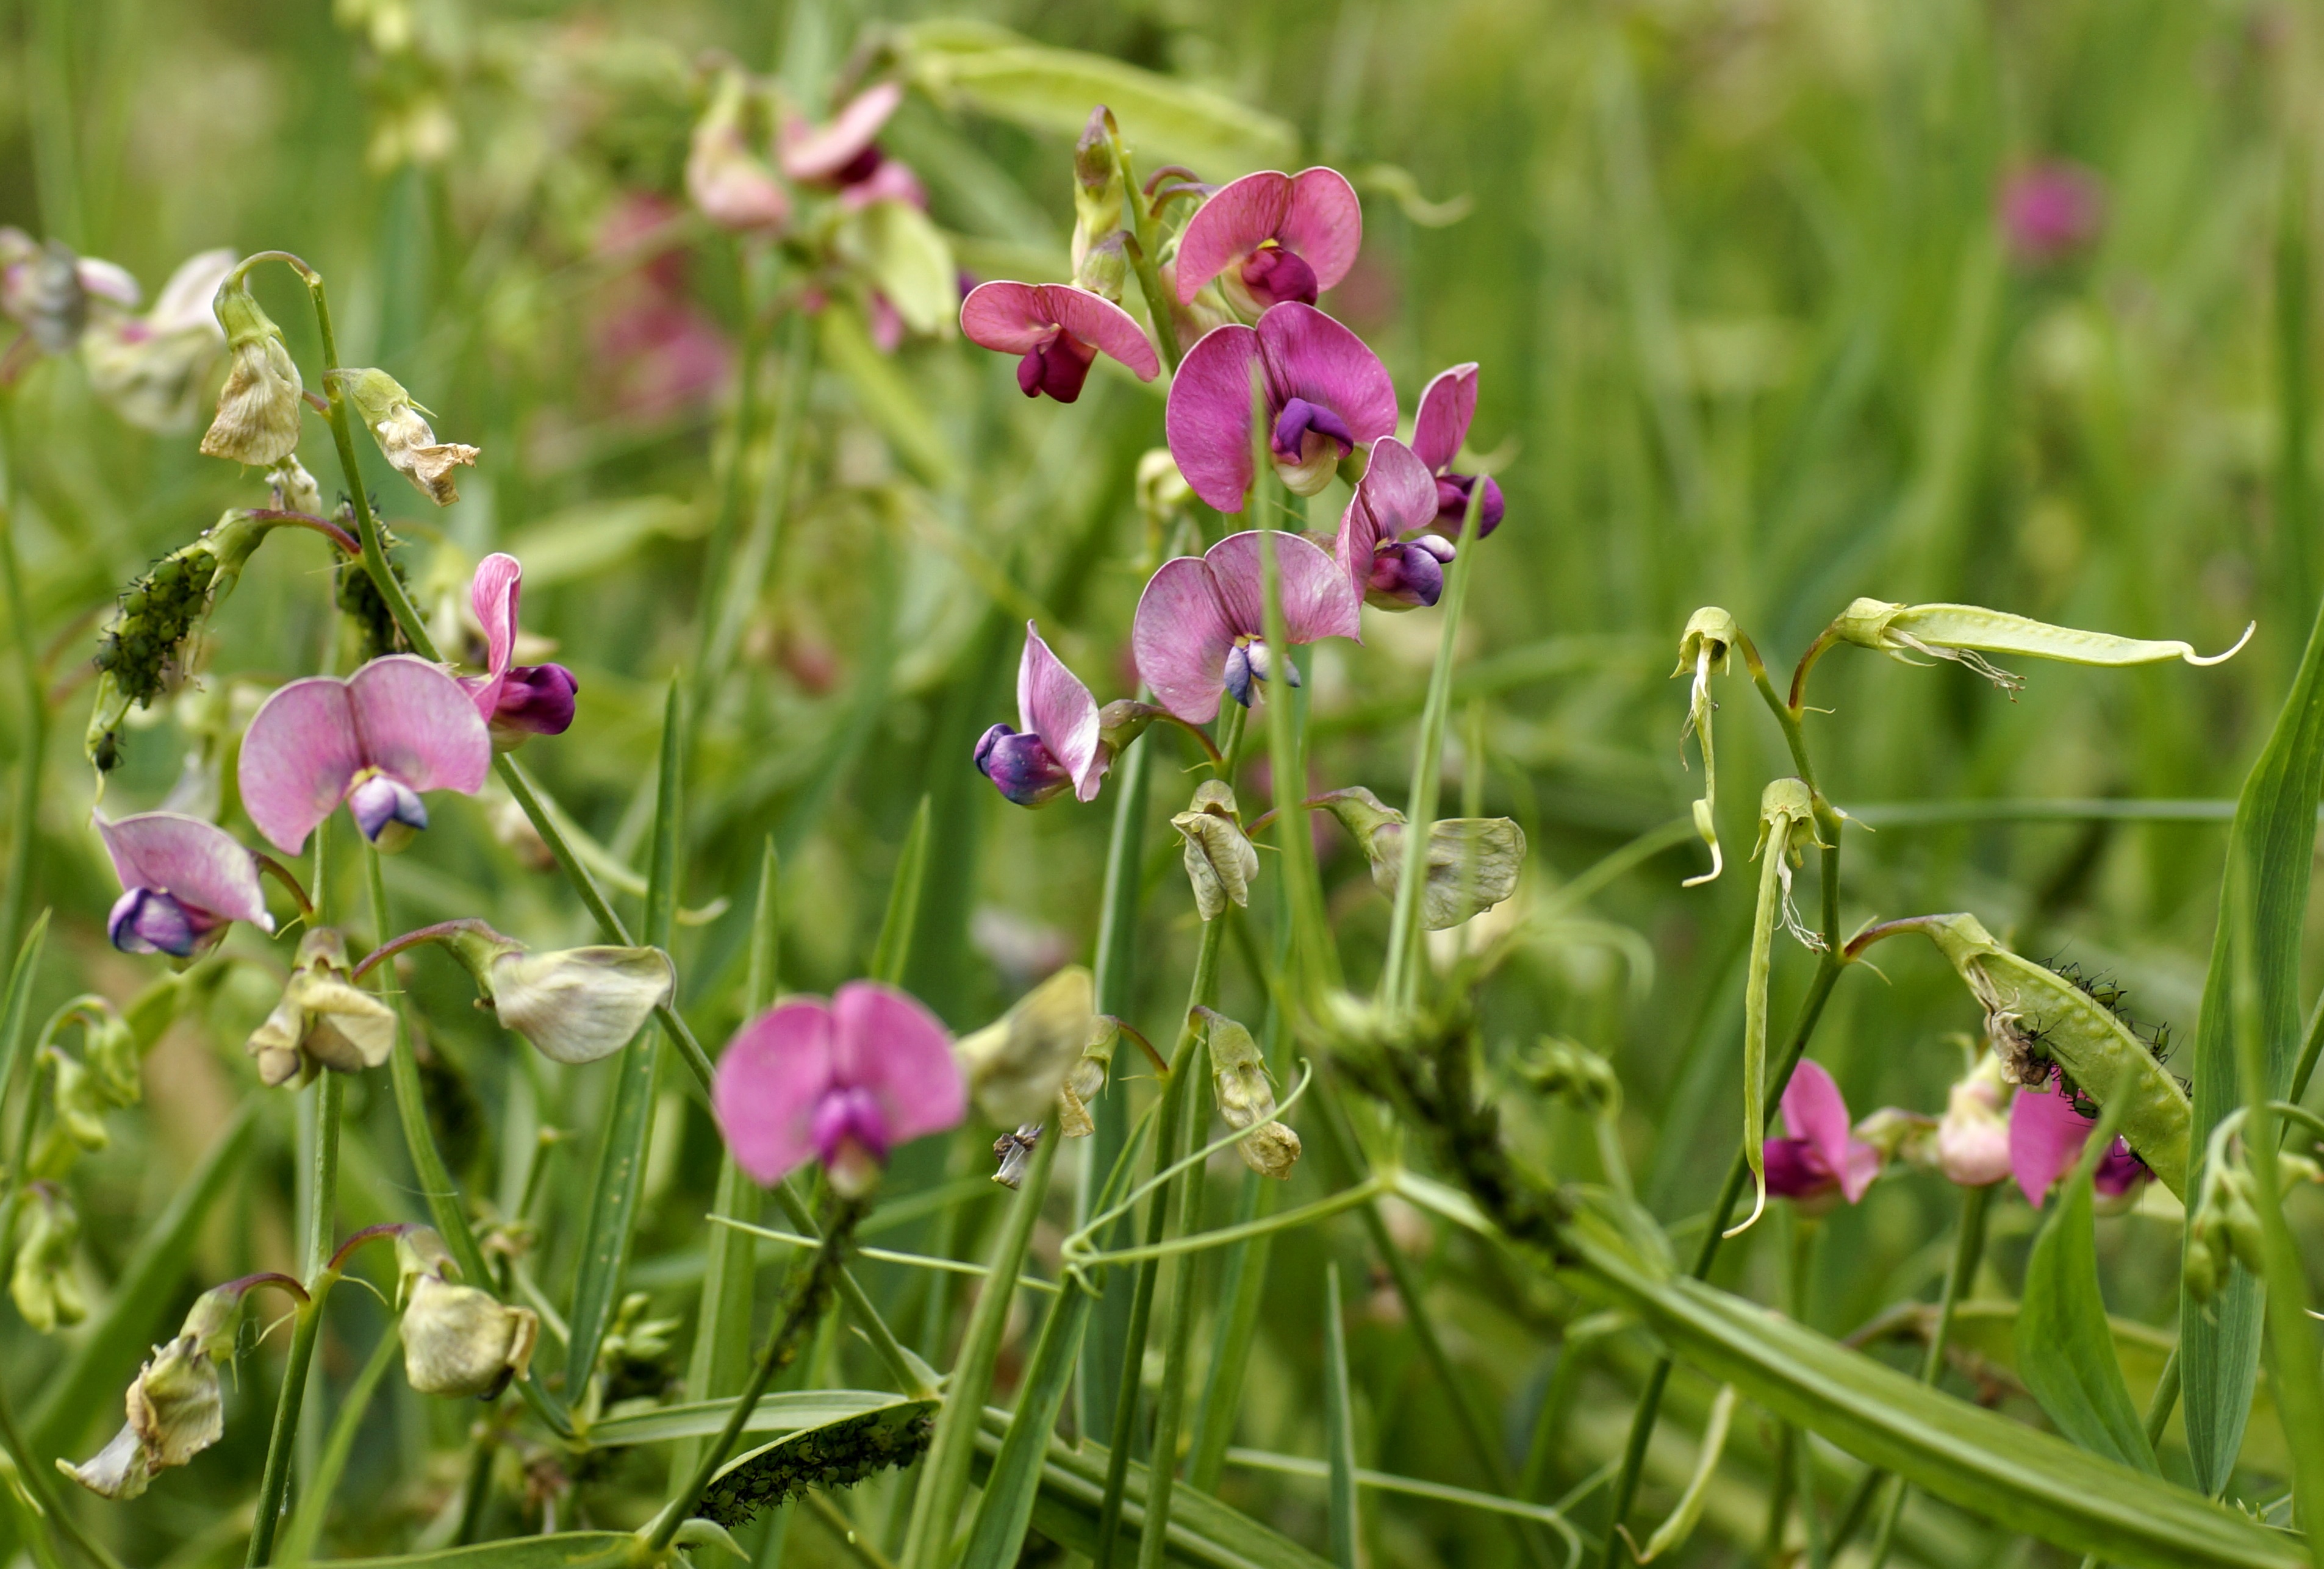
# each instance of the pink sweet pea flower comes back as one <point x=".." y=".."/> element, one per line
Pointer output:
<point x="727" y="181"/>
<point x="518" y="701"/>
<point x="378" y="740"/>
<point x="1058" y="748"/>
<point x="2046" y="1137"/>
<point x="1270" y="237"/>
<point x="1059" y="330"/>
<point x="843" y="154"/>
<point x="843" y="1082"/>
<point x="1387" y="544"/>
<point x="1446" y="407"/>
<point x="184" y="882"/>
<point x="2052" y="209"/>
<point x="1201" y="626"/>
<point x="1823" y="1155"/>
<point x="1326" y="395"/>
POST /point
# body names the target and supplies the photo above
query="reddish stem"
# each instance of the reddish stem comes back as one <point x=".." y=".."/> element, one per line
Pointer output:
<point x="324" y="527"/>
<point x="1179" y="169"/>
<point x="368" y="1234"/>
<point x="435" y="933"/>
<point x="1872" y="934"/>
<point x="284" y="875"/>
<point x="249" y="1283"/>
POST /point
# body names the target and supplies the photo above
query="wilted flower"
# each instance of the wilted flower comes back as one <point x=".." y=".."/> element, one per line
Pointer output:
<point x="1058" y="330"/>
<point x="1086" y="1079"/>
<point x="295" y="490"/>
<point x="2046" y="1137"/>
<point x="844" y="1081"/>
<point x="405" y="439"/>
<point x="458" y="1342"/>
<point x="174" y="1411"/>
<point x="1472" y="862"/>
<point x="42" y="1282"/>
<point x="1016" y="1065"/>
<point x="1246" y="1098"/>
<point x="577" y="1005"/>
<point x="1973" y="1137"/>
<point x="2052" y="209"/>
<point x="1221" y="860"/>
<point x="259" y="408"/>
<point x="1271" y="237"/>
<point x="182" y="880"/>
<point x="1387" y="543"/>
<point x="1703" y="651"/>
<point x="394" y="730"/>
<point x="149" y="369"/>
<point x="324" y="1019"/>
<point x="517" y="702"/>
<point x="45" y="289"/>
<point x="1325" y="394"/>
<point x="1059" y="748"/>
<point x="730" y="184"/>
<point x="1447" y="404"/>
<point x="1823" y="1156"/>
<point x="1201" y="626"/>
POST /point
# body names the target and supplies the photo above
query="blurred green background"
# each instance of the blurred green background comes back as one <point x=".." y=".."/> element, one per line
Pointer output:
<point x="1755" y="329"/>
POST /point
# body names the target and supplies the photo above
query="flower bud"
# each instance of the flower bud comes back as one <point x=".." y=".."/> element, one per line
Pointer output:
<point x="78" y="1105"/>
<point x="1016" y="1066"/>
<point x="1086" y="1079"/>
<point x="732" y="186"/>
<point x="42" y="1283"/>
<point x="457" y="1341"/>
<point x="1973" y="1136"/>
<point x="295" y="490"/>
<point x="1472" y="862"/>
<point x="1097" y="188"/>
<point x="404" y="437"/>
<point x="1572" y="1073"/>
<point x="575" y="1005"/>
<point x="259" y="408"/>
<point x="324" y="1020"/>
<point x="1105" y="268"/>
<point x="174" y="1411"/>
<point x="110" y="1050"/>
<point x="1221" y="861"/>
<point x="1122" y="722"/>
<point x="1246" y="1097"/>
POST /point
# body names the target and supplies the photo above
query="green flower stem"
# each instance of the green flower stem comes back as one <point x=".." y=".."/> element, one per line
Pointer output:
<point x="1313" y="958"/>
<point x="24" y="848"/>
<point x="1968" y="1249"/>
<point x="809" y="1300"/>
<point x="910" y="1374"/>
<point x="1400" y="977"/>
<point x="1147" y="229"/>
<point x="321" y="1113"/>
<point x="1169" y="1408"/>
<point x="944" y="1478"/>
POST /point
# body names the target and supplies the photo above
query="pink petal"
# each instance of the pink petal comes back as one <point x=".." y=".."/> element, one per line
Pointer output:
<point x="1398" y="489"/>
<point x="770" y="1080"/>
<point x="1097" y="320"/>
<point x="1243" y="215"/>
<point x="1447" y="404"/>
<point x="298" y="756"/>
<point x="1053" y="703"/>
<point x="1007" y="318"/>
<point x="885" y="1041"/>
<point x="493" y="594"/>
<point x="892" y="181"/>
<point x="1324" y="223"/>
<point x="2046" y="1136"/>
<point x="1857" y="1172"/>
<point x="417" y="727"/>
<point x="1309" y="355"/>
<point x="1318" y="600"/>
<point x="1180" y="638"/>
<point x="1208" y="418"/>
<point x="198" y="863"/>
<point x="811" y="153"/>
<point x="1813" y="1110"/>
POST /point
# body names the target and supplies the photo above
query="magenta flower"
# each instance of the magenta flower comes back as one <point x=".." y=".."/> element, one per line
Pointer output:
<point x="1058" y="329"/>
<point x="1201" y="627"/>
<point x="843" y="154"/>
<point x="517" y="702"/>
<point x="1446" y="407"/>
<point x="1058" y="748"/>
<point x="1387" y="545"/>
<point x="1822" y="1154"/>
<point x="1326" y="395"/>
<point x="184" y="882"/>
<point x="843" y="1082"/>
<point x="2051" y="210"/>
<point x="1270" y="237"/>
<point x="378" y="740"/>
<point x="2046" y="1137"/>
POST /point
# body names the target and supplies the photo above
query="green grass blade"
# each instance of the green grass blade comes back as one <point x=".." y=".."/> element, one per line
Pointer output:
<point x="14" y="1015"/>
<point x="619" y="1179"/>
<point x="780" y="1411"/>
<point x="570" y="1550"/>
<point x="894" y="949"/>
<point x="1339" y="1428"/>
<point x="997" y="1535"/>
<point x="306" y="1527"/>
<point x="2065" y="1350"/>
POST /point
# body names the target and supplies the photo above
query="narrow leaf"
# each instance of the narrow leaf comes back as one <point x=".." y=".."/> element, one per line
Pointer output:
<point x="14" y="1013"/>
<point x="782" y="1411"/>
<point x="894" y="949"/>
<point x="569" y="1550"/>
<point x="1339" y="1428"/>
<point x="2065" y="1350"/>
<point x="997" y="1535"/>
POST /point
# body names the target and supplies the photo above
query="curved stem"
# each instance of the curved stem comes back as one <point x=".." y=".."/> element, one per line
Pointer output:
<point x="1885" y="930"/>
<point x="1824" y="639"/>
<point x="307" y="520"/>
<point x="369" y="1233"/>
<point x="411" y="939"/>
<point x="289" y="879"/>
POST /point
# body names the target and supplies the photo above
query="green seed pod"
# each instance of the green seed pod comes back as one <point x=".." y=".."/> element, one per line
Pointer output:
<point x="1912" y="634"/>
<point x="1786" y="824"/>
<point x="1703" y="652"/>
<point x="2034" y="1017"/>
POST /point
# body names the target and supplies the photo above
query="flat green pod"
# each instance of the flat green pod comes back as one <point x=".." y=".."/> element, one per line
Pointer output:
<point x="2032" y="1014"/>
<point x="1967" y="633"/>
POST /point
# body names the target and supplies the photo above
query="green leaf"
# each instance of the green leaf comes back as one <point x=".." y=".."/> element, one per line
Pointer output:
<point x="2020" y="1478"/>
<point x="2274" y="838"/>
<point x="893" y="950"/>
<point x="784" y="1411"/>
<point x="1013" y="1484"/>
<point x="14" y="1013"/>
<point x="1339" y="1428"/>
<point x="619" y="1180"/>
<point x="569" y="1550"/>
<point x="830" y="1456"/>
<point x="2065" y="1350"/>
<point x="905" y="255"/>
<point x="581" y="541"/>
<point x="1168" y="121"/>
